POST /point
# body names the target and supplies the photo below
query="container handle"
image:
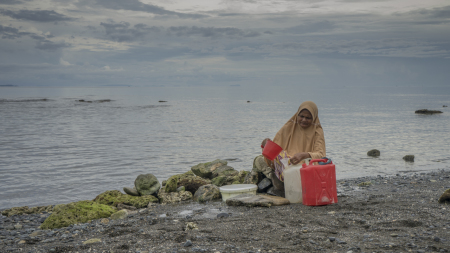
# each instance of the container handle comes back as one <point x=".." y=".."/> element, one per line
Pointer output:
<point x="323" y="161"/>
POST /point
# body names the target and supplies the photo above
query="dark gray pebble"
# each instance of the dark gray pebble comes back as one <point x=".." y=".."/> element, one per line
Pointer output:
<point x="332" y="239"/>
<point x="188" y="243"/>
<point x="223" y="215"/>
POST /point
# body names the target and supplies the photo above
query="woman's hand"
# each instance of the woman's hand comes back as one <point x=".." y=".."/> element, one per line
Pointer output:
<point x="295" y="159"/>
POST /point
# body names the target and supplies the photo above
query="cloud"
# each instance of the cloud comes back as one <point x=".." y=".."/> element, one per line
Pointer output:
<point x="48" y="45"/>
<point x="211" y="32"/>
<point x="37" y="15"/>
<point x="443" y="12"/>
<point x="135" y="5"/>
<point x="10" y="2"/>
<point x="122" y="32"/>
<point x="8" y="32"/>
<point x="323" y="26"/>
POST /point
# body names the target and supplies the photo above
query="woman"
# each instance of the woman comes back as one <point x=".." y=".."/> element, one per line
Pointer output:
<point x="301" y="138"/>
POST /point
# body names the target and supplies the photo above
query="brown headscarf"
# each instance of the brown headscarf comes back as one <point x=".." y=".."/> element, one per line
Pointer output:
<point x="294" y="139"/>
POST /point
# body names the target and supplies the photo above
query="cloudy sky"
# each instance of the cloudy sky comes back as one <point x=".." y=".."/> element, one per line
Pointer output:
<point x="224" y="42"/>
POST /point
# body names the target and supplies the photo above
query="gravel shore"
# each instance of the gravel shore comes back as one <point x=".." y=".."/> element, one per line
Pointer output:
<point x="388" y="214"/>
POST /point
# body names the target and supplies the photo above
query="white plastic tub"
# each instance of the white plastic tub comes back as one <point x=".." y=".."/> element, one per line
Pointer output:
<point x="229" y="191"/>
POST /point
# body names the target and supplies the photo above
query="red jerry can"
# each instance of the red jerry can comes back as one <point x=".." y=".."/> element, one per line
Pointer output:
<point x="319" y="183"/>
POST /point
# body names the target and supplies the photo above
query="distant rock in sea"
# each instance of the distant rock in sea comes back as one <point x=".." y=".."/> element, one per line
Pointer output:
<point x="426" y="111"/>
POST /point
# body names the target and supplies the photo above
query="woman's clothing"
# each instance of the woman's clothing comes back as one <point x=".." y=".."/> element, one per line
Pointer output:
<point x="295" y="139"/>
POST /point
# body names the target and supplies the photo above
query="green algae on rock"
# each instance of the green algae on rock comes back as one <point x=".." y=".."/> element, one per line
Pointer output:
<point x="113" y="198"/>
<point x="173" y="197"/>
<point x="205" y="170"/>
<point x="26" y="210"/>
<point x="171" y="184"/>
<point x="207" y="193"/>
<point x="147" y="184"/>
<point x="77" y="212"/>
<point x="122" y="214"/>
<point x="188" y="180"/>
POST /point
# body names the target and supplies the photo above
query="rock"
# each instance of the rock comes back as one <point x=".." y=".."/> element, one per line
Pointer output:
<point x="205" y="170"/>
<point x="207" y="193"/>
<point x="18" y="226"/>
<point x="260" y="165"/>
<point x="444" y="106"/>
<point x="147" y="184"/>
<point x="250" y="200"/>
<point x="264" y="185"/>
<point x="374" y="152"/>
<point x="113" y="198"/>
<point x="90" y="241"/>
<point x="445" y="197"/>
<point x="253" y="177"/>
<point x="223" y="215"/>
<point x="104" y="221"/>
<point x="26" y="210"/>
<point x="273" y="191"/>
<point x="188" y="243"/>
<point x="122" y="214"/>
<point x="131" y="191"/>
<point x="224" y="171"/>
<point x="122" y="206"/>
<point x="181" y="189"/>
<point x="173" y="197"/>
<point x="190" y="181"/>
<point x="426" y="111"/>
<point x="365" y="184"/>
<point x="191" y="226"/>
<point x="171" y="184"/>
<point x="77" y="212"/>
<point x="409" y="158"/>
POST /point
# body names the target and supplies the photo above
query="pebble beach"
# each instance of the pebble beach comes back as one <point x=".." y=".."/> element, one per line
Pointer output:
<point x="398" y="213"/>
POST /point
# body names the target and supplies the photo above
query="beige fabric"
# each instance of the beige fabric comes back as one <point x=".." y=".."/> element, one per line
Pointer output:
<point x="294" y="139"/>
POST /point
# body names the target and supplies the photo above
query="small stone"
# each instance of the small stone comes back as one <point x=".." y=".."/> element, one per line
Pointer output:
<point x="436" y="239"/>
<point x="94" y="240"/>
<point x="394" y="235"/>
<point x="104" y="221"/>
<point x="22" y="242"/>
<point x="223" y="215"/>
<point x="188" y="243"/>
<point x="191" y="226"/>
<point x="18" y="226"/>
<point x="409" y="158"/>
<point x="131" y="191"/>
<point x="332" y="239"/>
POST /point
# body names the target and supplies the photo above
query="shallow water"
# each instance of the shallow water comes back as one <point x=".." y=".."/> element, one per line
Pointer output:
<point x="56" y="149"/>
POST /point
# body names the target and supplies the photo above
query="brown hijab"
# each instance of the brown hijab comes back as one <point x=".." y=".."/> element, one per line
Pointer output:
<point x="294" y="139"/>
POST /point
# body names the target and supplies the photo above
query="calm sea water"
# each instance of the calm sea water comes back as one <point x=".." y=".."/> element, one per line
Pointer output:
<point x="55" y="149"/>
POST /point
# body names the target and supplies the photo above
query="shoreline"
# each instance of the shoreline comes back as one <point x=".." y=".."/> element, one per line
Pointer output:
<point x="397" y="213"/>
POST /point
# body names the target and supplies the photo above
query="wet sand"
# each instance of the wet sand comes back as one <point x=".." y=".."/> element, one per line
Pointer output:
<point x="393" y="214"/>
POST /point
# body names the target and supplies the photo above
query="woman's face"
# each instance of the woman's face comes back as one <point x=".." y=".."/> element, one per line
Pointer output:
<point x="304" y="118"/>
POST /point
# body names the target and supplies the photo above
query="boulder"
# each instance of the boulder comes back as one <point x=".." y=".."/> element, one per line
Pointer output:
<point x="445" y="197"/>
<point x="173" y="197"/>
<point x="224" y="171"/>
<point x="147" y="184"/>
<point x="260" y="165"/>
<point x="374" y="152"/>
<point x="234" y="177"/>
<point x="26" y="210"/>
<point x="426" y="111"/>
<point x="131" y="191"/>
<point x="253" y="177"/>
<point x="250" y="200"/>
<point x="171" y="184"/>
<point x="207" y="193"/>
<point x="264" y="185"/>
<point x="205" y="170"/>
<point x="77" y="212"/>
<point x="113" y="198"/>
<point x="409" y="158"/>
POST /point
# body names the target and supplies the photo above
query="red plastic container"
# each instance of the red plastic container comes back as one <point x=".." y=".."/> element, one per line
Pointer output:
<point x="271" y="150"/>
<point x="319" y="183"/>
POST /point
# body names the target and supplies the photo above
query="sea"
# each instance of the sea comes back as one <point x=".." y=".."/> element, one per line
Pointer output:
<point x="65" y="144"/>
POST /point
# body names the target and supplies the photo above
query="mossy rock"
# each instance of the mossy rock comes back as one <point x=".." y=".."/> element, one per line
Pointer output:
<point x="147" y="184"/>
<point x="253" y="177"/>
<point x="26" y="210"/>
<point x="365" y="184"/>
<point x="232" y="178"/>
<point x="373" y="153"/>
<point x="112" y="198"/>
<point x="171" y="184"/>
<point x="173" y="197"/>
<point x="207" y="193"/>
<point x="77" y="212"/>
<point x="409" y="158"/>
<point x="224" y="171"/>
<point x="205" y="170"/>
<point x="445" y="197"/>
